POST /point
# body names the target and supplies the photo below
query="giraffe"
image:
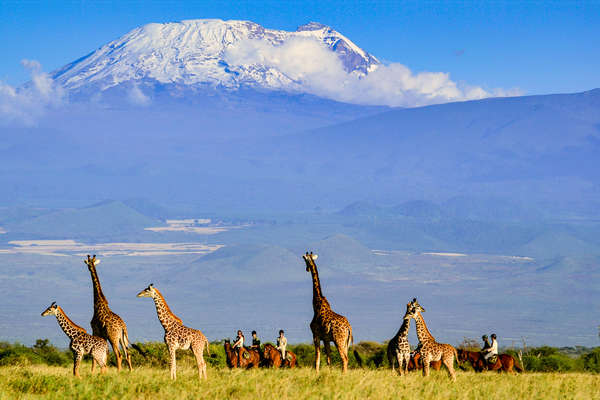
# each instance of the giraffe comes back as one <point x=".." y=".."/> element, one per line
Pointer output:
<point x="81" y="342"/>
<point x="326" y="325"/>
<point x="428" y="348"/>
<point x="398" y="347"/>
<point x="106" y="323"/>
<point x="178" y="336"/>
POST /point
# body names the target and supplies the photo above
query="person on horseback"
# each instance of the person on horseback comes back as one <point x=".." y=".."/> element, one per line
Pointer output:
<point x="281" y="345"/>
<point x="492" y="351"/>
<point x="239" y="345"/>
<point x="486" y="344"/>
<point x="255" y="341"/>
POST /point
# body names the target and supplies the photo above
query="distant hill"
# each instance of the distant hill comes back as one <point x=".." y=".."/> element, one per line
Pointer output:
<point x="247" y="264"/>
<point x="341" y="252"/>
<point x="105" y="219"/>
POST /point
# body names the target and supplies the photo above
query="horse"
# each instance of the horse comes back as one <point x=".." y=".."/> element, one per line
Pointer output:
<point x="272" y="357"/>
<point x="416" y="363"/>
<point x="504" y="362"/>
<point x="252" y="361"/>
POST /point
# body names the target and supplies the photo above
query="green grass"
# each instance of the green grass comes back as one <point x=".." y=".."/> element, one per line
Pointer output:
<point x="36" y="381"/>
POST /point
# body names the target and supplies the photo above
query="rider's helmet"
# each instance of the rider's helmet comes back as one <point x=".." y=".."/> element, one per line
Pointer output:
<point x="493" y="336"/>
<point x="484" y="337"/>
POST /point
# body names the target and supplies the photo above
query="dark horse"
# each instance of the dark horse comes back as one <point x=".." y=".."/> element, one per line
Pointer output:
<point x="272" y="357"/>
<point x="416" y="363"/>
<point x="504" y="362"/>
<point x="250" y="361"/>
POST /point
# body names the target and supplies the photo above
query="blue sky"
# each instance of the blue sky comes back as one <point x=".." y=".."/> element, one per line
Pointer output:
<point x="539" y="47"/>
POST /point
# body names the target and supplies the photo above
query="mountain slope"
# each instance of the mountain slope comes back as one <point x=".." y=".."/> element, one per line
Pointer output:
<point x="196" y="52"/>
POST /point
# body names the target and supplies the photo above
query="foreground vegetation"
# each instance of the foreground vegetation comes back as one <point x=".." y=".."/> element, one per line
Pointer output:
<point x="372" y="355"/>
<point x="302" y="383"/>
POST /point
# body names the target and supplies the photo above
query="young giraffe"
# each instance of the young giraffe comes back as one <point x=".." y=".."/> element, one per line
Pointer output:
<point x="398" y="347"/>
<point x="81" y="342"/>
<point x="106" y="323"/>
<point x="326" y="325"/>
<point x="178" y="336"/>
<point x="429" y="349"/>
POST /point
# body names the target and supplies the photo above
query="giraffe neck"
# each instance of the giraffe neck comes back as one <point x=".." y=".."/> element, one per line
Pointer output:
<point x="422" y="332"/>
<point x="318" y="299"/>
<point x="99" y="298"/>
<point x="165" y="315"/>
<point x="403" y="331"/>
<point x="68" y="326"/>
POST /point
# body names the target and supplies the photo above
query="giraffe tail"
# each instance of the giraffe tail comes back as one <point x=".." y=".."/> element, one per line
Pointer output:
<point x="208" y="348"/>
<point x="125" y="342"/>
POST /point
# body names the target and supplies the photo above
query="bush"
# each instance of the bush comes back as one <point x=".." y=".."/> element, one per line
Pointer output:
<point x="591" y="360"/>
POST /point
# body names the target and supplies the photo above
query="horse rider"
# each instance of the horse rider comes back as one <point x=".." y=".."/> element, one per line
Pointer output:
<point x="256" y="343"/>
<point x="281" y="345"/>
<point x="486" y="343"/>
<point x="239" y="346"/>
<point x="492" y="350"/>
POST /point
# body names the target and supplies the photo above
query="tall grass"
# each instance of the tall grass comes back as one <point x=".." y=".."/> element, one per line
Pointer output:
<point x="37" y="381"/>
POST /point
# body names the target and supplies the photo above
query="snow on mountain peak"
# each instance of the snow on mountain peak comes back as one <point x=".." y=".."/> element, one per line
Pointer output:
<point x="314" y="59"/>
<point x="199" y="52"/>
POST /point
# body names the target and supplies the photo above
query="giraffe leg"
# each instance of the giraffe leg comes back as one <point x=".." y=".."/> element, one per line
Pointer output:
<point x="406" y="361"/>
<point x="399" y="358"/>
<point x="327" y="346"/>
<point x="173" y="363"/>
<point x="200" y="361"/>
<point x="115" y="346"/>
<point x="449" y="363"/>
<point x="391" y="359"/>
<point x="93" y="365"/>
<point x="425" y="360"/>
<point x="76" y="361"/>
<point x="317" y="343"/>
<point x="343" y="350"/>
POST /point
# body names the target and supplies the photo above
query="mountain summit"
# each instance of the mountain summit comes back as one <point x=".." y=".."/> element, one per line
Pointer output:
<point x="229" y="54"/>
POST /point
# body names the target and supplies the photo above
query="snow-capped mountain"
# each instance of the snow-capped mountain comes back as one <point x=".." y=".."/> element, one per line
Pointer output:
<point x="197" y="52"/>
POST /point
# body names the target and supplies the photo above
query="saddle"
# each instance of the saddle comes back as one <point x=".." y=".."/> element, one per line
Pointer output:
<point x="288" y="356"/>
<point x="493" y="359"/>
<point x="246" y="354"/>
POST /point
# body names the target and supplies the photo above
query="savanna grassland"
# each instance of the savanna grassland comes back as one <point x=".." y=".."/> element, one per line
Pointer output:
<point x="302" y="383"/>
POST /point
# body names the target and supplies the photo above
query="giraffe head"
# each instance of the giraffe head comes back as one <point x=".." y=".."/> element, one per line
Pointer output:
<point x="52" y="310"/>
<point x="309" y="259"/>
<point x="150" y="291"/>
<point x="91" y="262"/>
<point x="413" y="309"/>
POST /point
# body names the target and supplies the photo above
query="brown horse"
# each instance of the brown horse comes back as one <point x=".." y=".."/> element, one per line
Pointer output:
<point x="272" y="357"/>
<point x="251" y="361"/>
<point x="504" y="362"/>
<point x="416" y="363"/>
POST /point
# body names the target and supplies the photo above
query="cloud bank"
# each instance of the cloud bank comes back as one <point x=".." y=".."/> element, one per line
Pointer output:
<point x="27" y="103"/>
<point x="315" y="69"/>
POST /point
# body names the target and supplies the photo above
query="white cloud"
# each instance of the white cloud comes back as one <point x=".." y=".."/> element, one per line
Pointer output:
<point x="313" y="68"/>
<point x="137" y="97"/>
<point x="27" y="103"/>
